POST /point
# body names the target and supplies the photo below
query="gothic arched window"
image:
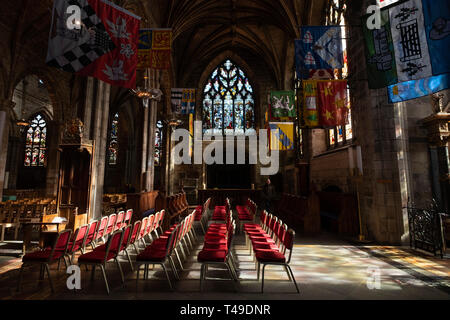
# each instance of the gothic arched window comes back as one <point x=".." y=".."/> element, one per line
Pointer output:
<point x="36" y="142"/>
<point x="335" y="16"/>
<point x="228" y="102"/>
<point x="113" y="140"/>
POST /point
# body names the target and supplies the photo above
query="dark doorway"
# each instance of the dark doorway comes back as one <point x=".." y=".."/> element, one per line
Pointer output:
<point x="229" y="176"/>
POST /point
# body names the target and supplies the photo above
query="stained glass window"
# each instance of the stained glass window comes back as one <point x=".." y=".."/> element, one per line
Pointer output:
<point x="36" y="143"/>
<point x="228" y="102"/>
<point x="113" y="140"/>
<point x="158" y="143"/>
<point x="335" y="16"/>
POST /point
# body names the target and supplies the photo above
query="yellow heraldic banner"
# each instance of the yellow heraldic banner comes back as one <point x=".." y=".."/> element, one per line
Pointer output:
<point x="281" y="136"/>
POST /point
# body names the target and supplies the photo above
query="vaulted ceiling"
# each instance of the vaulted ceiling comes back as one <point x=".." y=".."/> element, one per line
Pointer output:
<point x="261" y="32"/>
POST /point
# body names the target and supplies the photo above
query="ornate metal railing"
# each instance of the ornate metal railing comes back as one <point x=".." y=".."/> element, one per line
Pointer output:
<point x="425" y="226"/>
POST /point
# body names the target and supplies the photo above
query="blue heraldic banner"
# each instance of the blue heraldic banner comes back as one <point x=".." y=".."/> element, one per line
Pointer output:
<point x="319" y="48"/>
<point x="437" y="26"/>
<point x="418" y="88"/>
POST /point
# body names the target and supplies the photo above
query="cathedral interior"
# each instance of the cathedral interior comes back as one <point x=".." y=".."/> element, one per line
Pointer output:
<point x="358" y="210"/>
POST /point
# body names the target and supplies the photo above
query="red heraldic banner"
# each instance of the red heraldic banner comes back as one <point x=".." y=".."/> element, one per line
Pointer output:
<point x="117" y="67"/>
<point x="333" y="101"/>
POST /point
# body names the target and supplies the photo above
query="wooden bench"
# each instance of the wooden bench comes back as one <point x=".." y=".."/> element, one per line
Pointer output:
<point x="339" y="212"/>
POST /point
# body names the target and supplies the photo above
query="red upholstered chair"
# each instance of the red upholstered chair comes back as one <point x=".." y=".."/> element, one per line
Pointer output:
<point x="119" y="220"/>
<point x="158" y="253"/>
<point x="101" y="229"/>
<point x="278" y="257"/>
<point x="142" y="232"/>
<point x="217" y="254"/>
<point x="111" y="225"/>
<point x="101" y="255"/>
<point x="89" y="240"/>
<point x="127" y="232"/>
<point x="135" y="234"/>
<point x="77" y="241"/>
<point x="149" y="228"/>
<point x="128" y="216"/>
<point x="45" y="257"/>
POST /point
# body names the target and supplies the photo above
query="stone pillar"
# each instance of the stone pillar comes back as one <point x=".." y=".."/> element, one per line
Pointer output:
<point x="100" y="134"/>
<point x="53" y="159"/>
<point x="87" y="120"/>
<point x="5" y="108"/>
<point x="151" y="129"/>
<point x="144" y="150"/>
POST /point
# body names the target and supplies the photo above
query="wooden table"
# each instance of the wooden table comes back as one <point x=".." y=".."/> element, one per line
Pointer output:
<point x="28" y="228"/>
<point x="4" y="226"/>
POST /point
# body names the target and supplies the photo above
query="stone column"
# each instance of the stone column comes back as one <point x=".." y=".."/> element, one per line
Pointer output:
<point x="144" y="150"/>
<point x="151" y="128"/>
<point x="53" y="159"/>
<point x="100" y="133"/>
<point x="5" y="108"/>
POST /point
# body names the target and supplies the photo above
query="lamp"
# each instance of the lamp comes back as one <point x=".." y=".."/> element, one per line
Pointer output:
<point x="146" y="93"/>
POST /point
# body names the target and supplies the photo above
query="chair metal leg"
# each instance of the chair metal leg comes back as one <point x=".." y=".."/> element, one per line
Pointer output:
<point x="138" y="267"/>
<point x="178" y="257"/>
<point x="259" y="270"/>
<point x="47" y="268"/>
<point x="262" y="283"/>
<point x="120" y="269"/>
<point x="202" y="276"/>
<point x="174" y="269"/>
<point x="293" y="278"/>
<point x="167" y="275"/>
<point x="288" y="273"/>
<point x="104" y="277"/>
<point x="129" y="260"/>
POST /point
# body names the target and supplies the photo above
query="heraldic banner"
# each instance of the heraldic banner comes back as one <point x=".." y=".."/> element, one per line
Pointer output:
<point x="333" y="101"/>
<point x="281" y="136"/>
<point x="380" y="54"/>
<point x="104" y="47"/>
<point x="183" y="101"/>
<point x="144" y="49"/>
<point x="412" y="44"/>
<point x="310" y="103"/>
<point x="319" y="48"/>
<point x="418" y="88"/>
<point x="161" y="49"/>
<point x="283" y="104"/>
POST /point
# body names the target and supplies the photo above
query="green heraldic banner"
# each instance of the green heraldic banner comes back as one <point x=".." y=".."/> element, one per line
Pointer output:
<point x="283" y="104"/>
<point x="380" y="56"/>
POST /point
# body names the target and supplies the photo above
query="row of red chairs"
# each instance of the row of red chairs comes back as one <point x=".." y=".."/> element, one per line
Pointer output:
<point x="246" y="213"/>
<point x="218" y="243"/>
<point x="179" y="240"/>
<point x="68" y="243"/>
<point x="201" y="214"/>
<point x="269" y="242"/>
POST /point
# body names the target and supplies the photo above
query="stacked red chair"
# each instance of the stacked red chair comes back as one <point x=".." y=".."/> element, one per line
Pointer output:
<point x="119" y="220"/>
<point x="220" y="212"/>
<point x="76" y="243"/>
<point x="128" y="216"/>
<point x="111" y="225"/>
<point x="217" y="248"/>
<point x="101" y="230"/>
<point x="47" y="256"/>
<point x="89" y="240"/>
<point x="102" y="254"/>
<point x="246" y="213"/>
<point x="135" y="235"/>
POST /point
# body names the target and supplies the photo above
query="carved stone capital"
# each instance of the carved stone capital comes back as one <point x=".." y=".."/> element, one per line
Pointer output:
<point x="438" y="127"/>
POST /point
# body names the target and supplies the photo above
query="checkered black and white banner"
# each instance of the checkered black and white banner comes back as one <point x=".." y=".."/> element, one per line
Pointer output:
<point x="73" y="50"/>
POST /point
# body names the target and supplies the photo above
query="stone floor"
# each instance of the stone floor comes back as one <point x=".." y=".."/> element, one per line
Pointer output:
<point x="325" y="268"/>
